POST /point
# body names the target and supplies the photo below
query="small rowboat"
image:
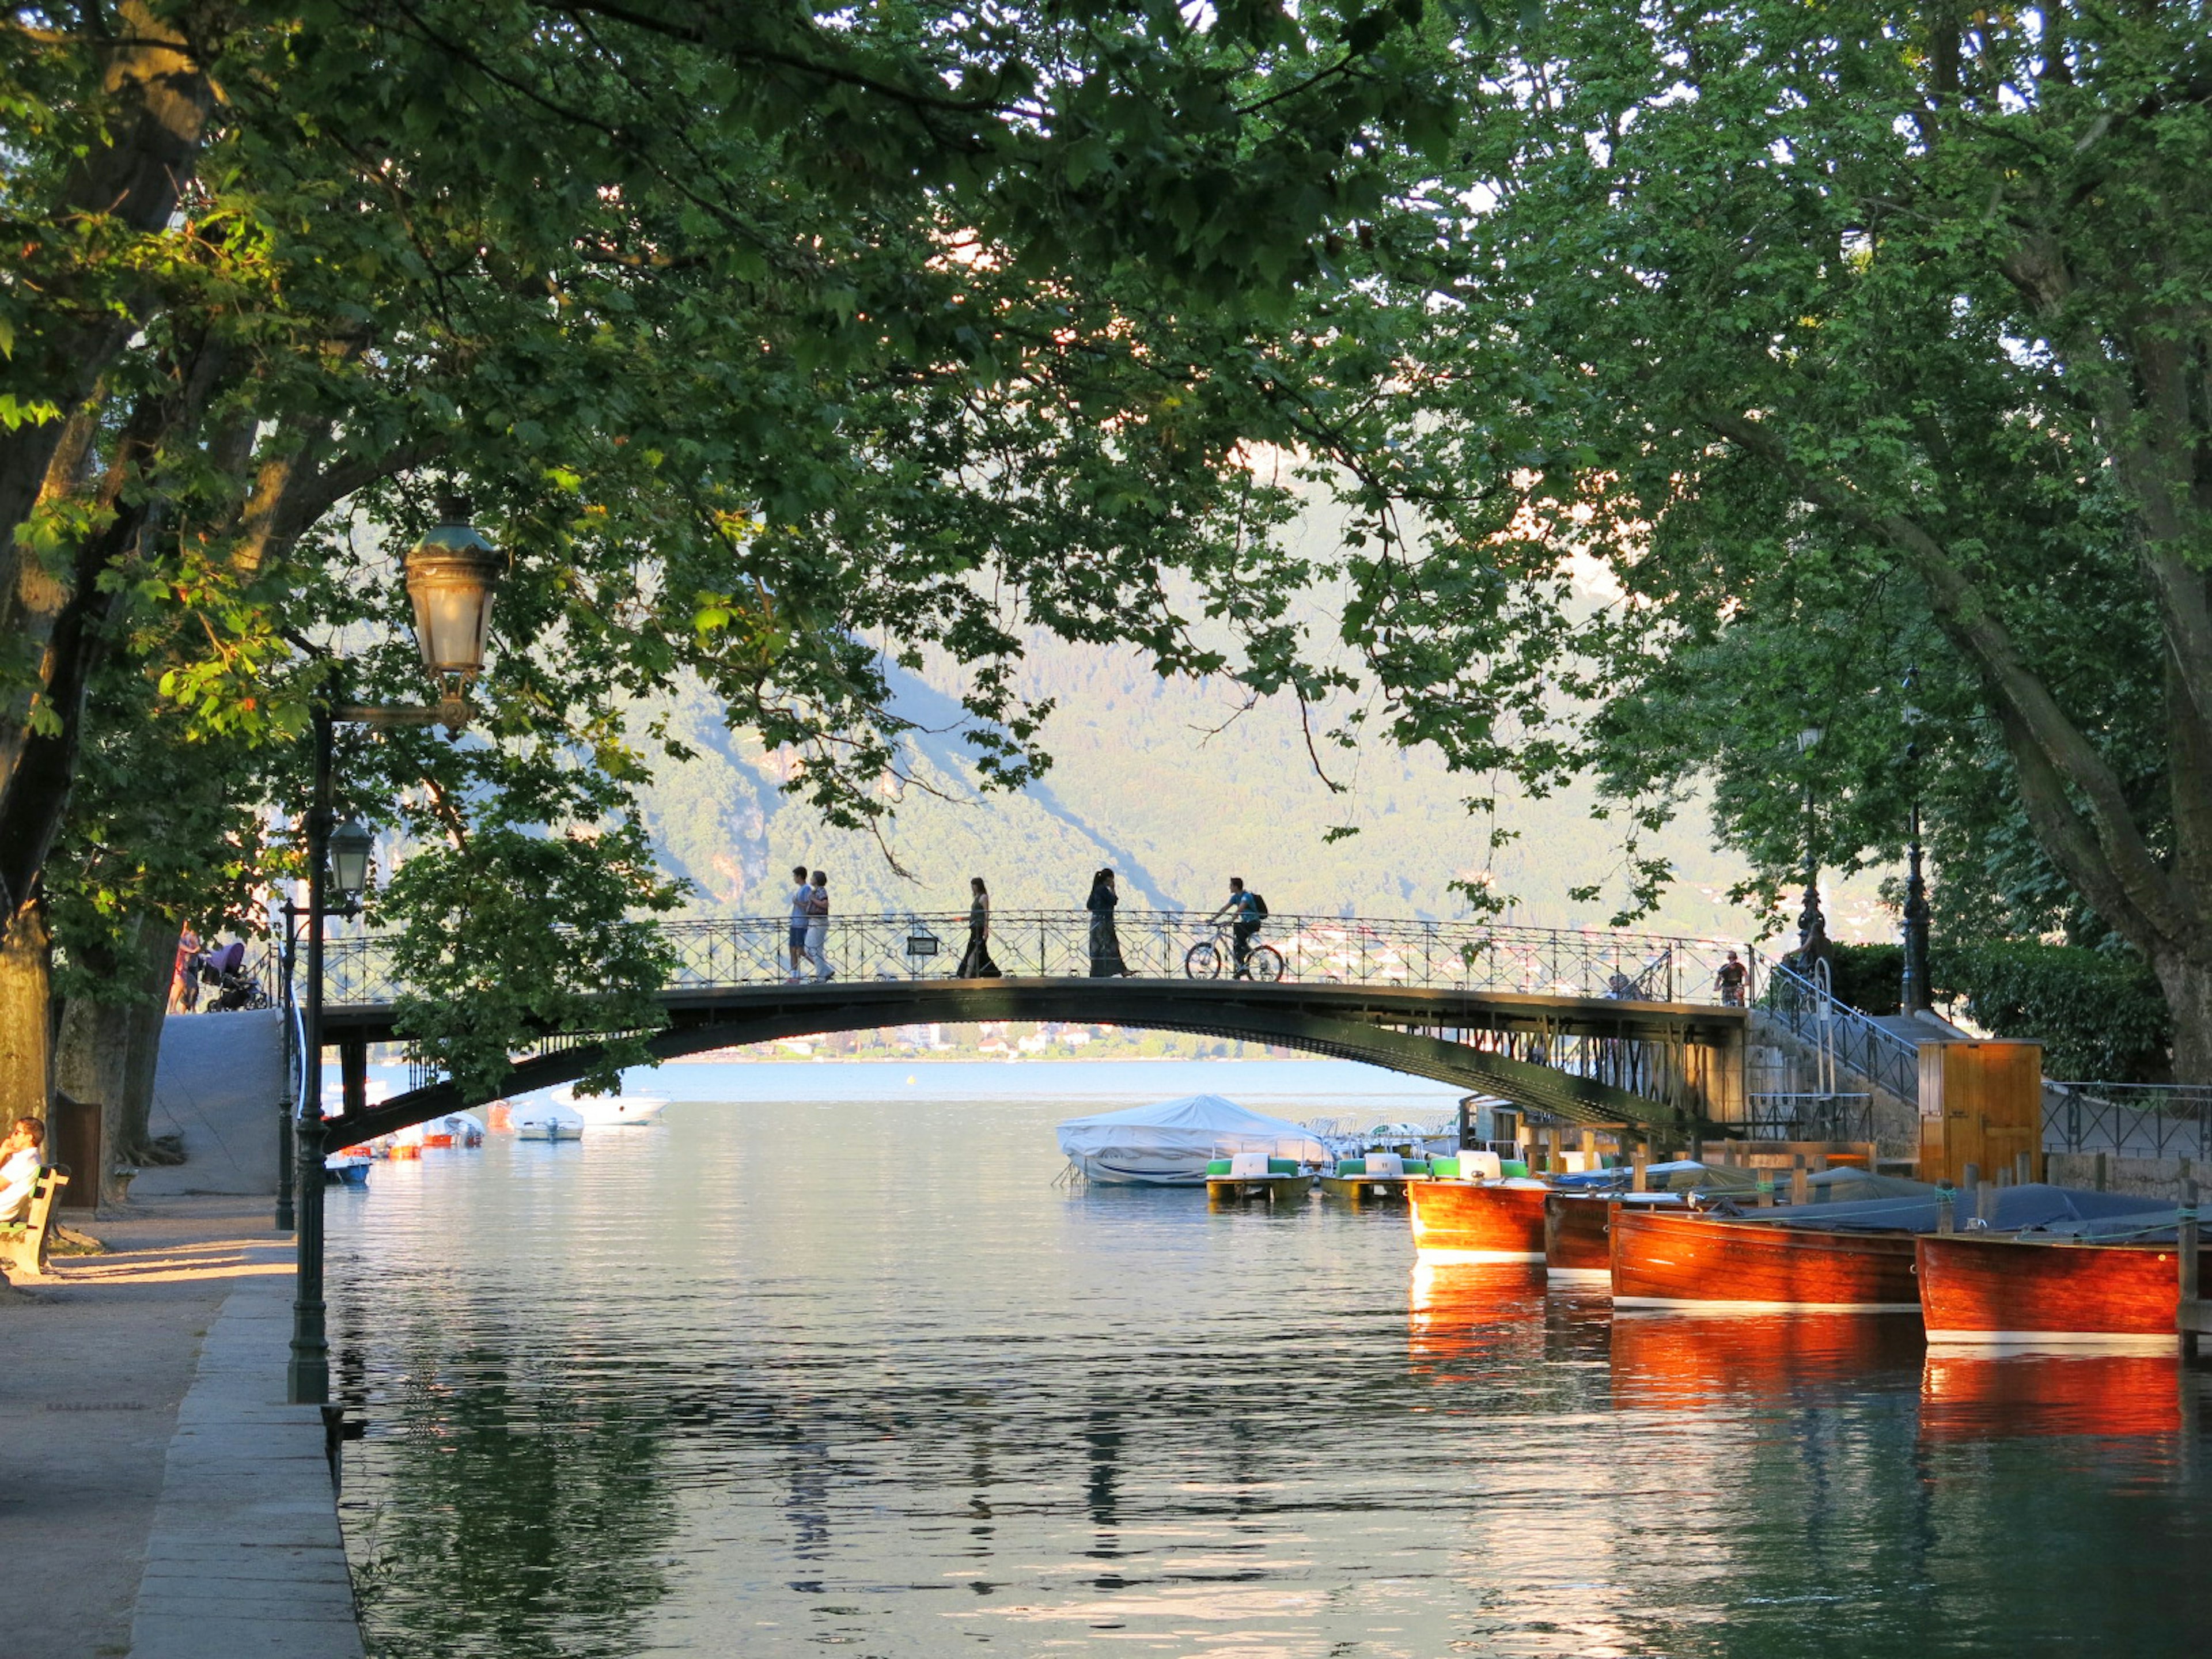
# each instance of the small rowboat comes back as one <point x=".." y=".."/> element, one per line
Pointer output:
<point x="1479" y="1221"/>
<point x="1702" y="1264"/>
<point x="1984" y="1291"/>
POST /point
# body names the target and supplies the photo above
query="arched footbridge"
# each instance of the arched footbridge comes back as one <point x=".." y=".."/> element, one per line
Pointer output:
<point x="1581" y="1026"/>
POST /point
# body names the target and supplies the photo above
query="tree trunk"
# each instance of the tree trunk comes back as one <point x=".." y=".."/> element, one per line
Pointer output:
<point x="146" y="1021"/>
<point x="2186" y="980"/>
<point x="105" y="1049"/>
<point x="26" y="1014"/>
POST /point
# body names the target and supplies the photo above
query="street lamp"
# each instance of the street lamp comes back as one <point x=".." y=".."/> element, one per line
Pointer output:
<point x="1912" y="990"/>
<point x="350" y="844"/>
<point x="451" y="574"/>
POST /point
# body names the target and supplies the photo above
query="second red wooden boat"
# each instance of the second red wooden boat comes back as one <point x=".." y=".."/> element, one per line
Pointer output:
<point x="1743" y="1266"/>
<point x="1578" y="1246"/>
<point x="1994" y="1292"/>
<point x="1477" y="1222"/>
<point x="1578" y="1232"/>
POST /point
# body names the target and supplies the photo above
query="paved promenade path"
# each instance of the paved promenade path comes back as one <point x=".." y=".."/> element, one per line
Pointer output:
<point x="157" y="1499"/>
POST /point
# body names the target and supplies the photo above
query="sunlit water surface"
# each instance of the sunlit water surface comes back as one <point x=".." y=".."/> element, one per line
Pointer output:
<point x="826" y="1360"/>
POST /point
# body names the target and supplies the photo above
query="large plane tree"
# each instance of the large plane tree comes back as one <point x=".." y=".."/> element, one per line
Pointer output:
<point x="773" y="342"/>
<point x="1751" y="355"/>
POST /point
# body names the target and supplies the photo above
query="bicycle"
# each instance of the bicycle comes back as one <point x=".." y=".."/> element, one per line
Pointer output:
<point x="1206" y="958"/>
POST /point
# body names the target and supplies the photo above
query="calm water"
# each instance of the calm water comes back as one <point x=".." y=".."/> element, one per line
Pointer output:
<point x="826" y="1361"/>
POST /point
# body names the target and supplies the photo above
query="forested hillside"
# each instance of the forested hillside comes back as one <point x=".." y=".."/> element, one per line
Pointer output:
<point x="1177" y="789"/>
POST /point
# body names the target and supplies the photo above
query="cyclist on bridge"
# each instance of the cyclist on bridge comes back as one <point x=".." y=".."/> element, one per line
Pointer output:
<point x="1250" y="910"/>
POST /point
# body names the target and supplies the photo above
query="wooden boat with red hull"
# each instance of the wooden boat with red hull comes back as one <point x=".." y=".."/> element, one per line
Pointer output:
<point x="1578" y="1232"/>
<point x="1578" y="1242"/>
<point x="1697" y="1264"/>
<point x="1479" y="1222"/>
<point x="1997" y="1292"/>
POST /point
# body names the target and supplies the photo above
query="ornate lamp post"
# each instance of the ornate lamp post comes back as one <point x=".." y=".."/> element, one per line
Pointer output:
<point x="1913" y="990"/>
<point x="452" y="575"/>
<point x="349" y="846"/>
<point x="1811" y="924"/>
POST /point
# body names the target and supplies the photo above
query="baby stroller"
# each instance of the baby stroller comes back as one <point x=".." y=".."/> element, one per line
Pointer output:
<point x="234" y="987"/>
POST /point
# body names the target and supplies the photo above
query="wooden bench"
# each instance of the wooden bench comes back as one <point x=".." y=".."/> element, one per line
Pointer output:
<point x="23" y="1243"/>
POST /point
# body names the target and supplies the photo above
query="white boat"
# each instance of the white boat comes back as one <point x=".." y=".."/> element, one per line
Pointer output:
<point x="1170" y="1144"/>
<point x="548" y="1120"/>
<point x="611" y="1111"/>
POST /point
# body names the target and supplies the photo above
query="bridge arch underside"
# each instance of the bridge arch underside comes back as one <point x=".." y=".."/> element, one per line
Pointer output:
<point x="1661" y="1069"/>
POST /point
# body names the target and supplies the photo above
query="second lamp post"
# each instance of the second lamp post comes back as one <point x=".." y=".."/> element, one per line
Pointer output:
<point x="451" y="574"/>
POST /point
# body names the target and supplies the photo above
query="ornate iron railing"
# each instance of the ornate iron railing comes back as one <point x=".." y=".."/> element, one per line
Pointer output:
<point x="1055" y="943"/>
<point x="2129" y="1119"/>
<point x="1809" y="1117"/>
<point x="1841" y="1034"/>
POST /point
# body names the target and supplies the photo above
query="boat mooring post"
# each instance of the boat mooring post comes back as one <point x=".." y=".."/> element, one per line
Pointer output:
<point x="2193" y="1319"/>
<point x="1799" y="1193"/>
<point x="1946" y="1200"/>
<point x="1639" y="1165"/>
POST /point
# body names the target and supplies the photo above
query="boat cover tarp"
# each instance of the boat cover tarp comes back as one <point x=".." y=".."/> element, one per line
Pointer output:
<point x="1844" y="1185"/>
<point x="2011" y="1210"/>
<point x="1167" y="1144"/>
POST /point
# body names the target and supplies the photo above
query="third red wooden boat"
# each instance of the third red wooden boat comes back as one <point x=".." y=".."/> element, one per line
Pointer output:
<point x="1663" y="1261"/>
<point x="1989" y="1291"/>
<point x="1481" y="1222"/>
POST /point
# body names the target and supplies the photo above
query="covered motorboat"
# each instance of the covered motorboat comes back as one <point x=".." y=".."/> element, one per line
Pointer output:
<point x="548" y="1120"/>
<point x="1170" y="1144"/>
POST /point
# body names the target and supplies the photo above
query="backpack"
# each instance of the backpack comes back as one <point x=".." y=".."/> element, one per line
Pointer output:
<point x="1258" y="905"/>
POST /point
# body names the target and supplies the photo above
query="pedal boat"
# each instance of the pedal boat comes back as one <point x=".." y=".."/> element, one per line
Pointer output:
<point x="1372" y="1180"/>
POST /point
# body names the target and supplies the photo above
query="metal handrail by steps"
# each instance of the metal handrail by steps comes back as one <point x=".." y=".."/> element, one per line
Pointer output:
<point x="1841" y="1034"/>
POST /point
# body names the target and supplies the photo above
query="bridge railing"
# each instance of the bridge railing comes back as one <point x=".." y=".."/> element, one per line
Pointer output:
<point x="2129" y="1119"/>
<point x="1056" y="943"/>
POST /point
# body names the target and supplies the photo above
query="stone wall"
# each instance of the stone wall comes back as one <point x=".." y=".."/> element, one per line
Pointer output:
<point x="2151" y="1177"/>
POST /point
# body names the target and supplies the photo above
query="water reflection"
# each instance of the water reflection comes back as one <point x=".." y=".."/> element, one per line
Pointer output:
<point x="1966" y="1396"/>
<point x="732" y="1387"/>
<point x="1664" y="1361"/>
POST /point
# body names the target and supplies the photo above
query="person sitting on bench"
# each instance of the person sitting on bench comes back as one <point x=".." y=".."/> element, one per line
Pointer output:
<point x="20" y="1155"/>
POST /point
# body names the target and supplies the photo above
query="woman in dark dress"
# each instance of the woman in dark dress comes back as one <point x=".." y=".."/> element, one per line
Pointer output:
<point x="1105" y="944"/>
<point x="976" y="961"/>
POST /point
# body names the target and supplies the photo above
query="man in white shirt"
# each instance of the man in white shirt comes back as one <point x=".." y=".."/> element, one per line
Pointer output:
<point x="802" y="895"/>
<point x="21" y="1155"/>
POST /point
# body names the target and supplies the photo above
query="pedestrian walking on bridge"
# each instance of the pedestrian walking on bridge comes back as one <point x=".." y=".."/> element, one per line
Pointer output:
<point x="1105" y="944"/>
<point x="976" y="961"/>
<point x="818" y="927"/>
<point x="802" y="898"/>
